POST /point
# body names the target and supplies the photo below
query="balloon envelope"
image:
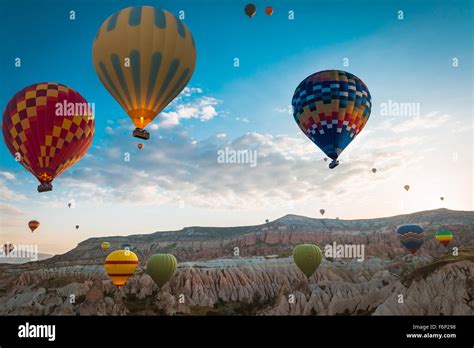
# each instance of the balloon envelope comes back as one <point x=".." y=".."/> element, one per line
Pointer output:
<point x="33" y="225"/>
<point x="411" y="237"/>
<point x="161" y="267"/>
<point x="140" y="146"/>
<point x="406" y="187"/>
<point x="120" y="265"/>
<point x="374" y="170"/>
<point x="322" y="211"/>
<point x="161" y="53"/>
<point x="268" y="10"/>
<point x="331" y="108"/>
<point x="105" y="246"/>
<point x="308" y="258"/>
<point x="47" y="144"/>
<point x="250" y="10"/>
<point x="444" y="237"/>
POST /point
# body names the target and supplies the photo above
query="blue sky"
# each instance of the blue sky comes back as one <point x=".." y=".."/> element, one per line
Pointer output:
<point x="175" y="181"/>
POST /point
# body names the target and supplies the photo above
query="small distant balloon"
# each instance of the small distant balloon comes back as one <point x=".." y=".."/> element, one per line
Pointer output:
<point x="268" y="10"/>
<point x="267" y="221"/>
<point x="105" y="246"/>
<point x="33" y="225"/>
<point x="411" y="237"/>
<point x="8" y="248"/>
<point x="322" y="211"/>
<point x="374" y="170"/>
<point x="77" y="227"/>
<point x="250" y="10"/>
<point x="325" y="159"/>
<point x="444" y="237"/>
<point x="140" y="146"/>
<point x="442" y="198"/>
<point x="406" y="187"/>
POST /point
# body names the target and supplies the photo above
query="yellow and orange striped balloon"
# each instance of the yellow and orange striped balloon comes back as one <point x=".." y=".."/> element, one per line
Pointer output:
<point x="120" y="265"/>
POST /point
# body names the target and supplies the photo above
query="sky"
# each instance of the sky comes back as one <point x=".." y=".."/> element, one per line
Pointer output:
<point x="176" y="181"/>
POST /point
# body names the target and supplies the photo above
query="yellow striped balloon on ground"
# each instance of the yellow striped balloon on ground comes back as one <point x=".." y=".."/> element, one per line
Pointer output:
<point x="161" y="268"/>
<point x="120" y="265"/>
<point x="47" y="127"/>
<point x="144" y="57"/>
<point x="307" y="257"/>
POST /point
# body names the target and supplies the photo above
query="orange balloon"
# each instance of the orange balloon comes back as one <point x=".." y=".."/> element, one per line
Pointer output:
<point x="268" y="10"/>
<point x="140" y="146"/>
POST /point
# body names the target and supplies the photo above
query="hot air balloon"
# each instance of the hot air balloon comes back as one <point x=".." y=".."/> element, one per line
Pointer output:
<point x="325" y="159"/>
<point x="161" y="54"/>
<point x="33" y="225"/>
<point x="322" y="211"/>
<point x="308" y="258"/>
<point x="161" y="268"/>
<point x="120" y="265"/>
<point x="406" y="187"/>
<point x="69" y="205"/>
<point x="8" y="248"/>
<point x="140" y="146"/>
<point x="442" y="198"/>
<point x="331" y="107"/>
<point x="411" y="237"/>
<point x="77" y="227"/>
<point x="374" y="170"/>
<point x="444" y="237"/>
<point x="105" y="246"/>
<point x="267" y="221"/>
<point x="268" y="10"/>
<point x="44" y="142"/>
<point x="250" y="10"/>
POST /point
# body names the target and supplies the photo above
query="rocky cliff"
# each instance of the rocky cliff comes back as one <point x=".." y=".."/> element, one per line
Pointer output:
<point x="209" y="281"/>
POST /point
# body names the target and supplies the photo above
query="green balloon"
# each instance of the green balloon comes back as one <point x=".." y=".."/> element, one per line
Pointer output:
<point x="308" y="258"/>
<point x="161" y="268"/>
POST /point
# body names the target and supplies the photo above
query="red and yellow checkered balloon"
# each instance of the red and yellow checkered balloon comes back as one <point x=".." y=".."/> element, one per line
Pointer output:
<point x="48" y="127"/>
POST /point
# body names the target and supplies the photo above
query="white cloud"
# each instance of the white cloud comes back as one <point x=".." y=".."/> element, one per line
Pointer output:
<point x="8" y="175"/>
<point x="403" y="124"/>
<point x="287" y="110"/>
<point x="242" y="119"/>
<point x="9" y="210"/>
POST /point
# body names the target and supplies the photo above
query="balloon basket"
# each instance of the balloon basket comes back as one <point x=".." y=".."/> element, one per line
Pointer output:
<point x="334" y="164"/>
<point x="141" y="133"/>
<point x="45" y="187"/>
